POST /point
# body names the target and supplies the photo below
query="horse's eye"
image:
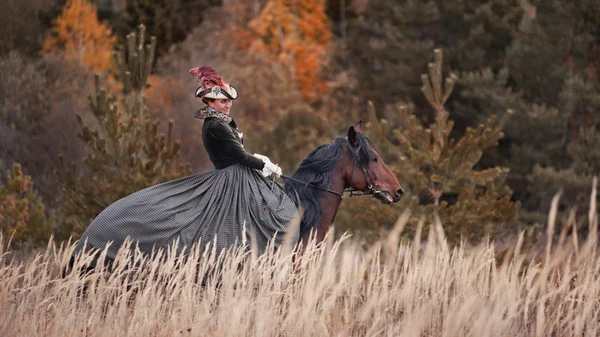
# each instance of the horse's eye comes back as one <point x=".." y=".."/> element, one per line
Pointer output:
<point x="375" y="159"/>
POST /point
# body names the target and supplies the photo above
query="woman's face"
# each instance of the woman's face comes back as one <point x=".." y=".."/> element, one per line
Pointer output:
<point x="221" y="105"/>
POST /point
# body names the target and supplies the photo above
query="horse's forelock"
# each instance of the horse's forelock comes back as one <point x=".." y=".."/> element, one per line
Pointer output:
<point x="363" y="151"/>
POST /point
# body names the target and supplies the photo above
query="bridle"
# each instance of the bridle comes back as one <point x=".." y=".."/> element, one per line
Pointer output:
<point x="370" y="190"/>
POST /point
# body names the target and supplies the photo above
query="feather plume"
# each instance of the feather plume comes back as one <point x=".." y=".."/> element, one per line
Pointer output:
<point x="207" y="77"/>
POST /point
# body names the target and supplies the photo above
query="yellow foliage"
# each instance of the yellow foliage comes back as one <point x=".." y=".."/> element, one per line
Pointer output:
<point x="82" y="38"/>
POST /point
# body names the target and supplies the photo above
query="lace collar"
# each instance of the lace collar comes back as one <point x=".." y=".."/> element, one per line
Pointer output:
<point x="210" y="112"/>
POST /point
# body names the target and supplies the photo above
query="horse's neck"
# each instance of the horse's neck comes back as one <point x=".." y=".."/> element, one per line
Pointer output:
<point x="330" y="204"/>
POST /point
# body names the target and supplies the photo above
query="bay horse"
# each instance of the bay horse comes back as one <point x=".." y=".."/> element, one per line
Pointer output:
<point x="347" y="164"/>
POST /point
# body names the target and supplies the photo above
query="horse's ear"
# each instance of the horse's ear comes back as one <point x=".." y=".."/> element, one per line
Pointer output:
<point x="358" y="127"/>
<point x="352" y="136"/>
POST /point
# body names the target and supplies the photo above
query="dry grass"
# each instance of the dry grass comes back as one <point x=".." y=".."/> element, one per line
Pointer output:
<point x="335" y="289"/>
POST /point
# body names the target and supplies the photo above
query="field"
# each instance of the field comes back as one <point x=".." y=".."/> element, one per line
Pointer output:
<point x="336" y="289"/>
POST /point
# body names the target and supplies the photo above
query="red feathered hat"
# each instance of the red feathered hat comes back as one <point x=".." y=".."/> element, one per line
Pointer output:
<point x="212" y="85"/>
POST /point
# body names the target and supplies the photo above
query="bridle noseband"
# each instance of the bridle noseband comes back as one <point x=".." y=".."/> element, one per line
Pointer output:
<point x="370" y="190"/>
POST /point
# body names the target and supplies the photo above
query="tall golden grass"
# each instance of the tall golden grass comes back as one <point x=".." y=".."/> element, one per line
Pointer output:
<point x="335" y="289"/>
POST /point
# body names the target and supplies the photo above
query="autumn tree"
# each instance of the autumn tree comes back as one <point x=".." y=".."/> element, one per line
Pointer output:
<point x="22" y="213"/>
<point x="296" y="33"/>
<point x="437" y="171"/>
<point x="127" y="153"/>
<point x="81" y="37"/>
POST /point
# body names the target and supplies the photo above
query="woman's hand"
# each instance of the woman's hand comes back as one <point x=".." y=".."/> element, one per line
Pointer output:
<point x="274" y="169"/>
<point x="269" y="167"/>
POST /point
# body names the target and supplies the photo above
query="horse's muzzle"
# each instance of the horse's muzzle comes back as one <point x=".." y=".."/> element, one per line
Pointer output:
<point x="399" y="194"/>
<point x="388" y="197"/>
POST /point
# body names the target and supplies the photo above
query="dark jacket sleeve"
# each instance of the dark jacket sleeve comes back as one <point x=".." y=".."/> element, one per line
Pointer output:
<point x="224" y="134"/>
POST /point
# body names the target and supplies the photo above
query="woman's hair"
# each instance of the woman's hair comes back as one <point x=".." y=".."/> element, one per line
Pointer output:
<point x="205" y="100"/>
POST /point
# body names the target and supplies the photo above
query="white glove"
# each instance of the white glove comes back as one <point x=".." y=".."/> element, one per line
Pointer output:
<point x="274" y="169"/>
<point x="269" y="167"/>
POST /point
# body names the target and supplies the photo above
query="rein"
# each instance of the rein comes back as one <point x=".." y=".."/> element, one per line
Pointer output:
<point x="311" y="185"/>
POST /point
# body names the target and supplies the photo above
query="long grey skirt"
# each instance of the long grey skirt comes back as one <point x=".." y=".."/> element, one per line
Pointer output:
<point x="197" y="209"/>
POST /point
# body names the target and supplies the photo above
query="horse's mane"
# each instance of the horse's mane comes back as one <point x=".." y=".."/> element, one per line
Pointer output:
<point x="317" y="169"/>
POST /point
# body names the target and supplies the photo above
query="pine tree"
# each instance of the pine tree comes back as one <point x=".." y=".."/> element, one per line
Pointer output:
<point x="22" y="213"/>
<point x="82" y="38"/>
<point x="556" y="39"/>
<point x="554" y="51"/>
<point x="161" y="18"/>
<point x="126" y="153"/>
<point x="534" y="135"/>
<point x="340" y="12"/>
<point x="580" y="98"/>
<point x="389" y="43"/>
<point x="437" y="171"/>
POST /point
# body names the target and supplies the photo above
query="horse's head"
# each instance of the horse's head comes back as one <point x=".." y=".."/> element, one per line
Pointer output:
<point x="365" y="170"/>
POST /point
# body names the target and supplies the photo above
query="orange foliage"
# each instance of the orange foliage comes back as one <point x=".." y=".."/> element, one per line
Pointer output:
<point x="297" y="33"/>
<point x="81" y="36"/>
<point x="308" y="64"/>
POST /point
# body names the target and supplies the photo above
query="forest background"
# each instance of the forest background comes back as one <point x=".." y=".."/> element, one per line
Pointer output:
<point x="484" y="110"/>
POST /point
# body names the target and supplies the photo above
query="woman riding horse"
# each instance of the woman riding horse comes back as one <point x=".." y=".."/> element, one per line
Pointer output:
<point x="237" y="198"/>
